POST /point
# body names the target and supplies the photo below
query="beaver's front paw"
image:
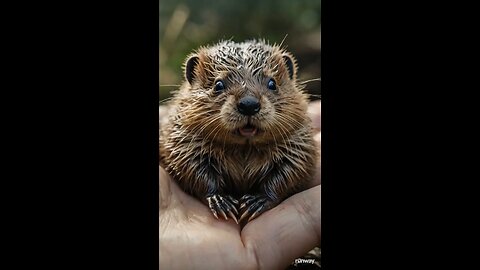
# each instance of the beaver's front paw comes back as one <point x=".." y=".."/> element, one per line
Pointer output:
<point x="223" y="205"/>
<point x="254" y="205"/>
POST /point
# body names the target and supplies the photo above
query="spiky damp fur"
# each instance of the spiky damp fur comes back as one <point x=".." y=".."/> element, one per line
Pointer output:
<point x="199" y="143"/>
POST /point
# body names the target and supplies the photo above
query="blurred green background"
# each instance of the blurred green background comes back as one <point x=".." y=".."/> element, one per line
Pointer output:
<point x="186" y="25"/>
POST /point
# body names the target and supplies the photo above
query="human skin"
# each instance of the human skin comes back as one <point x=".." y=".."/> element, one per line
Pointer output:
<point x="192" y="238"/>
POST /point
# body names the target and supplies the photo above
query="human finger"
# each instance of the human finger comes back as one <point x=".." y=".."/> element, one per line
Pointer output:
<point x="286" y="232"/>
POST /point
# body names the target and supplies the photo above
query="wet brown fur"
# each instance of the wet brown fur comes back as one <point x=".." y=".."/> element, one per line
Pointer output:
<point x="198" y="143"/>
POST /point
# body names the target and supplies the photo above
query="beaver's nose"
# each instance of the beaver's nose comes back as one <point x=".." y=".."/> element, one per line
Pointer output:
<point x="248" y="105"/>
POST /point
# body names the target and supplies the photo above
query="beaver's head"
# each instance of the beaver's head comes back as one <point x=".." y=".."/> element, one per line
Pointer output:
<point x="242" y="93"/>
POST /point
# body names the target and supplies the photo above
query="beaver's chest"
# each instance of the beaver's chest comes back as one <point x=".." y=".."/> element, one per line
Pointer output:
<point x="245" y="169"/>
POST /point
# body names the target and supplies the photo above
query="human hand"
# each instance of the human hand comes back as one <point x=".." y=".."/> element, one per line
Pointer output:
<point x="191" y="237"/>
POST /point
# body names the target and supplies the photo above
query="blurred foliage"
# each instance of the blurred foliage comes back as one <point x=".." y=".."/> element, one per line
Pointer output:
<point x="188" y="24"/>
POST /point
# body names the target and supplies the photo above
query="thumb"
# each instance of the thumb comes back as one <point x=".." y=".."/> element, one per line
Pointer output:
<point x="286" y="232"/>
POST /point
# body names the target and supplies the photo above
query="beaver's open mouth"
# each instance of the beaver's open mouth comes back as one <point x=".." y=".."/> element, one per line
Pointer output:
<point x="248" y="131"/>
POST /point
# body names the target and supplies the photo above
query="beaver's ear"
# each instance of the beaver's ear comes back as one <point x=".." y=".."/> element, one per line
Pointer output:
<point x="190" y="65"/>
<point x="291" y="65"/>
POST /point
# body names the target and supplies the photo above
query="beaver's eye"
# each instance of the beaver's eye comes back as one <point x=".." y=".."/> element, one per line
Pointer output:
<point x="272" y="85"/>
<point x="219" y="86"/>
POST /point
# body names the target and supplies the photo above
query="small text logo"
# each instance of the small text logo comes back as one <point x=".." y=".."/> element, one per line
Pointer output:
<point x="297" y="261"/>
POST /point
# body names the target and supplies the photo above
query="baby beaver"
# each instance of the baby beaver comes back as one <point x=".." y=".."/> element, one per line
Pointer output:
<point x="237" y="136"/>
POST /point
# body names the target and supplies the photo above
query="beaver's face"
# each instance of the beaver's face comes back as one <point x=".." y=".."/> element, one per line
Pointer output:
<point x="244" y="93"/>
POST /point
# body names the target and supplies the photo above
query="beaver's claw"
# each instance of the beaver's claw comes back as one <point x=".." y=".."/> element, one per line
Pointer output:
<point x="253" y="205"/>
<point x="223" y="205"/>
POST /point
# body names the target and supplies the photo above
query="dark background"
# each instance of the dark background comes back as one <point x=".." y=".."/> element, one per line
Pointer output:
<point x="189" y="24"/>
